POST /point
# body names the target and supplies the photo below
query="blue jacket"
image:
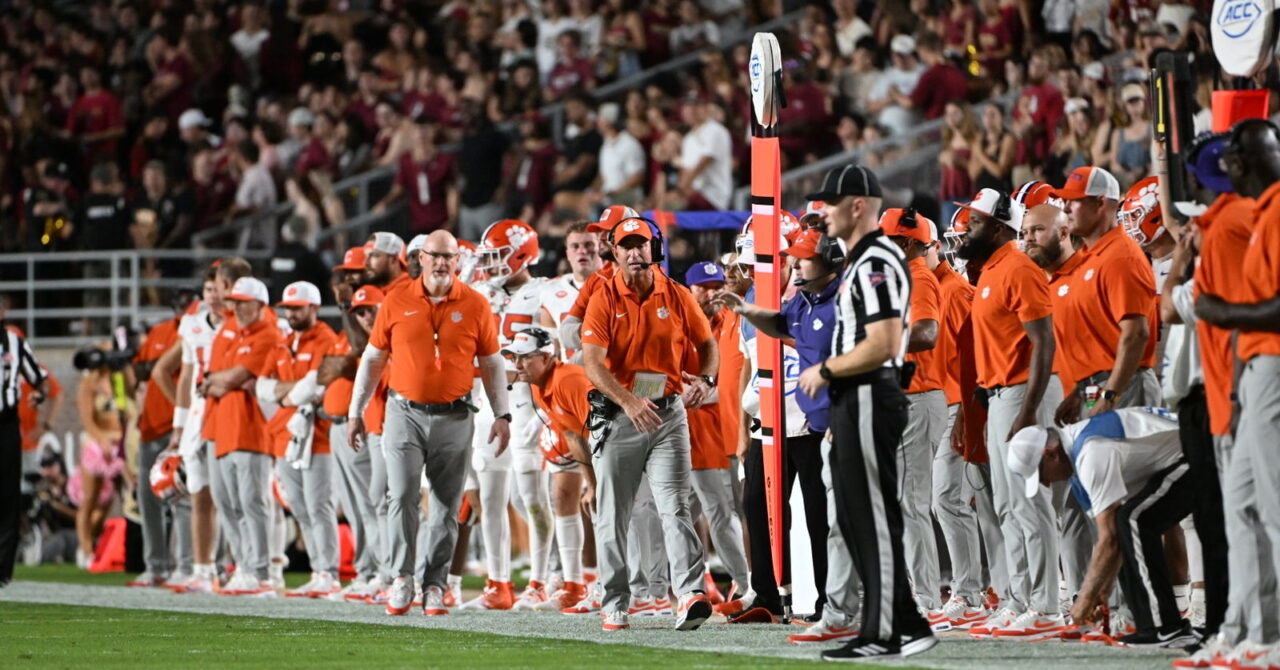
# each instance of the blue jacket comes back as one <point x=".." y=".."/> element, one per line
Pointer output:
<point x="810" y="319"/>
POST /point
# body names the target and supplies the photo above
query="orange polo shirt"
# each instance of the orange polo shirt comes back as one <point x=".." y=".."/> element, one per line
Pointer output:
<point x="926" y="305"/>
<point x="432" y="345"/>
<point x="646" y="336"/>
<point x="727" y="328"/>
<point x="337" y="395"/>
<point x="234" y="422"/>
<point x="957" y="300"/>
<point x="1066" y="358"/>
<point x="1011" y="291"/>
<point x="292" y="359"/>
<point x="157" y="410"/>
<point x="562" y="402"/>
<point x="1262" y="273"/>
<point x="706" y="451"/>
<point x="1227" y="226"/>
<point x="1114" y="280"/>
<point x="589" y="288"/>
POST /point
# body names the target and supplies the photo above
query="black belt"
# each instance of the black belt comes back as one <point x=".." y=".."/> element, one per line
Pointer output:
<point x="462" y="404"/>
<point x="874" y="377"/>
<point x="666" y="401"/>
<point x="335" y="420"/>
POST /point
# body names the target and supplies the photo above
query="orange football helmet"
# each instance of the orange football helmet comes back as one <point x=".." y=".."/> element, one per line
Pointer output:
<point x="1140" y="212"/>
<point x="506" y="248"/>
<point x="168" y="478"/>
<point x="1035" y="193"/>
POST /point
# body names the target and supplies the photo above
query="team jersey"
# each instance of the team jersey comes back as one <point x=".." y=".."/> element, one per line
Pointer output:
<point x="558" y="296"/>
<point x="196" y="334"/>
<point x="1161" y="267"/>
<point x="1116" y="453"/>
<point x="514" y="311"/>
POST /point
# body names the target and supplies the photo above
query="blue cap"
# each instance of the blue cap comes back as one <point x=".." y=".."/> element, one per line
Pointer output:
<point x="703" y="273"/>
<point x="1205" y="162"/>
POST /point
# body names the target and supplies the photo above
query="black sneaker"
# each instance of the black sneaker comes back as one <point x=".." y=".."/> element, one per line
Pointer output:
<point x="863" y="650"/>
<point x="918" y="644"/>
<point x="1176" y="636"/>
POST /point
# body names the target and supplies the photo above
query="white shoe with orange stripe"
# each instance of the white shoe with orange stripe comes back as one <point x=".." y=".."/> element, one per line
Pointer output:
<point x="1031" y="626"/>
<point x="1250" y="656"/>
<point x="822" y="632"/>
<point x="1213" y="649"/>
<point x="998" y="620"/>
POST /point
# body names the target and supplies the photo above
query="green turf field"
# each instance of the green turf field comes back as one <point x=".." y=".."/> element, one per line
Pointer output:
<point x="68" y="636"/>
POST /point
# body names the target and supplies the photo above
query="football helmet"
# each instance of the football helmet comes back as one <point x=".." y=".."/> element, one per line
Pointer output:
<point x="506" y="248"/>
<point x="1140" y="212"/>
<point x="1035" y="193"/>
<point x="168" y="477"/>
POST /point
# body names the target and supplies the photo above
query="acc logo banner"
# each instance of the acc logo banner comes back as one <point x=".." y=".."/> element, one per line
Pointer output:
<point x="1243" y="34"/>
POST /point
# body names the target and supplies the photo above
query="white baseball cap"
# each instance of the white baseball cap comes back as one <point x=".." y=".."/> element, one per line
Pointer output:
<point x="301" y="116"/>
<point x="300" y="294"/>
<point x="193" y="118"/>
<point x="903" y="44"/>
<point x="1075" y="105"/>
<point x="1025" y="451"/>
<point x="387" y="243"/>
<point x="416" y="244"/>
<point x="248" y="288"/>
<point x="988" y="202"/>
<point x="1089" y="181"/>
<point x="527" y="341"/>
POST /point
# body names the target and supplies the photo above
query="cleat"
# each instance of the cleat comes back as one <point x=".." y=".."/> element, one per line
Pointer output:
<point x="433" y="602"/>
<point x="453" y="594"/>
<point x="496" y="596"/>
<point x="736" y="606"/>
<point x="822" y="632"/>
<point x="694" y="610"/>
<point x="567" y="596"/>
<point x="535" y="594"/>
<point x="400" y="596"/>
<point x="1031" y="626"/>
<point x="589" y="604"/>
<point x="616" y="621"/>
<point x="1116" y="626"/>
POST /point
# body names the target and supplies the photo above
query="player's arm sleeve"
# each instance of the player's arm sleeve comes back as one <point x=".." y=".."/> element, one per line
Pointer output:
<point x="878" y="282"/>
<point x="494" y="372"/>
<point x="372" y="363"/>
<point x="487" y="331"/>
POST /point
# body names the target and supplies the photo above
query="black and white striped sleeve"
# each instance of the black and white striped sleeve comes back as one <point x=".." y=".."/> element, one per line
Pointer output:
<point x="28" y="365"/>
<point x="884" y="290"/>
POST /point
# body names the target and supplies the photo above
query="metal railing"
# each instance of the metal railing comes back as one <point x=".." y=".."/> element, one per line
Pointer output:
<point x="74" y="298"/>
<point x="355" y="190"/>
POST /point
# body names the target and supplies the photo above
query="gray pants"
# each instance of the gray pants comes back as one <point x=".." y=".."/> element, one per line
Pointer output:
<point x="247" y="476"/>
<point x="473" y="221"/>
<point x="379" y="500"/>
<point x="310" y="496"/>
<point x="223" y="500"/>
<point x="663" y="455"/>
<point x="989" y="527"/>
<point x="351" y="480"/>
<point x="926" y="422"/>
<point x="647" y="572"/>
<point x="166" y="528"/>
<point x="1077" y="538"/>
<point x="714" y="490"/>
<point x="843" y="603"/>
<point x="1251" y="498"/>
<point x="952" y="492"/>
<point x="1029" y="524"/>
<point x="439" y="445"/>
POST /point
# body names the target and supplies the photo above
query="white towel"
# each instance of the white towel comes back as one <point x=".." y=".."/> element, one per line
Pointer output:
<point x="302" y="428"/>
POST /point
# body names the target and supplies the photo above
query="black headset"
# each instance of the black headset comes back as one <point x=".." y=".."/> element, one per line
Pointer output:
<point x="829" y="250"/>
<point x="1004" y="207"/>
<point x="1236" y="135"/>
<point x="540" y="336"/>
<point x="655" y="245"/>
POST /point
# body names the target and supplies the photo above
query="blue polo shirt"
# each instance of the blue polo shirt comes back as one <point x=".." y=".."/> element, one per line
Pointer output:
<point x="810" y="319"/>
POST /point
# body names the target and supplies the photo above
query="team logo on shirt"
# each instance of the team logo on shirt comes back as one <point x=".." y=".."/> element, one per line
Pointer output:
<point x="1062" y="291"/>
<point x="817" y="324"/>
<point x="876" y="278"/>
<point x="1088" y="274"/>
<point x="986" y="292"/>
<point x="663" y="312"/>
<point x="456" y="317"/>
<point x="588" y="333"/>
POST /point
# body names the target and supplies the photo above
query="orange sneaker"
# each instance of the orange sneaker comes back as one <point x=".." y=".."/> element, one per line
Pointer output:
<point x="496" y="596"/>
<point x="570" y="594"/>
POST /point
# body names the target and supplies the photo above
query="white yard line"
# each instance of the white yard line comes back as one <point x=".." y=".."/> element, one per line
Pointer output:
<point x="955" y="652"/>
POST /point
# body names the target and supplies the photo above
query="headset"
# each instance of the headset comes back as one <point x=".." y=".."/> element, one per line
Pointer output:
<point x="540" y="336"/>
<point x="829" y="251"/>
<point x="657" y="256"/>
<point x="1236" y="134"/>
<point x="1004" y="207"/>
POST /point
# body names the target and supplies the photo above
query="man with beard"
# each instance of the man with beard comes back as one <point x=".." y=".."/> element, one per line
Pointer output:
<point x="1013" y="351"/>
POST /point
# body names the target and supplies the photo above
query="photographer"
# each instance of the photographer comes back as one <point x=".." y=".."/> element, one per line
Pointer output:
<point x="17" y="362"/>
<point x="53" y="518"/>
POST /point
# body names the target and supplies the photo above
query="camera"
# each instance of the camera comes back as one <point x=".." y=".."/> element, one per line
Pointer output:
<point x="123" y="349"/>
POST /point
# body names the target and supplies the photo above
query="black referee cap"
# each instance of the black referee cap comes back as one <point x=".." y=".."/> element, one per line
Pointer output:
<point x="850" y="180"/>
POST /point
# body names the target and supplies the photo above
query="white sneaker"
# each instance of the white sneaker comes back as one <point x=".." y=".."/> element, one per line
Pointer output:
<point x="303" y="591"/>
<point x="147" y="579"/>
<point x="983" y="630"/>
<point x="177" y="579"/>
<point x="938" y="621"/>
<point x="1249" y="656"/>
<point x="400" y="598"/>
<point x="417" y="593"/>
<point x="239" y="583"/>
<point x="823" y="632"/>
<point x="252" y="588"/>
<point x="324" y="585"/>
<point x="275" y="575"/>
<point x="1030" y="626"/>
<point x="961" y="614"/>
<point x="534" y="594"/>
<point x="616" y="621"/>
<point x="1198" y="613"/>
<point x="1213" y="649"/>
<point x="433" y="602"/>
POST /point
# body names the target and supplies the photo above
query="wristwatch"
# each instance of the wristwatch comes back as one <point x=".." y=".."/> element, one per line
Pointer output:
<point x="711" y="381"/>
<point x="501" y="417"/>
<point x="1109" y="395"/>
<point x="825" y="372"/>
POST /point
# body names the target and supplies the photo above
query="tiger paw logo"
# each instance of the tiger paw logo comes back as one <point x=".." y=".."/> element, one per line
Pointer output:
<point x="518" y="235"/>
<point x="631" y="226"/>
<point x="292" y="292"/>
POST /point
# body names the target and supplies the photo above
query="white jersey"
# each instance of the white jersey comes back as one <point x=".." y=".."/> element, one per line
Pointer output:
<point x="1161" y="267"/>
<point x="516" y="311"/>
<point x="558" y="296"/>
<point x="196" y="334"/>
<point x="1116" y="453"/>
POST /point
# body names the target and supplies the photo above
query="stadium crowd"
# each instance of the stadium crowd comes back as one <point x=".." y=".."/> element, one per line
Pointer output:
<point x="1085" y="375"/>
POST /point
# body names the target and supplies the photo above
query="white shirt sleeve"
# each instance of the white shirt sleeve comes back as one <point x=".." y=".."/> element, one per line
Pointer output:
<point x="1099" y="469"/>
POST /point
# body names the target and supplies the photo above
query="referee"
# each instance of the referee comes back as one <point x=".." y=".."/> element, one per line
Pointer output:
<point x="873" y="307"/>
<point x="16" y="361"/>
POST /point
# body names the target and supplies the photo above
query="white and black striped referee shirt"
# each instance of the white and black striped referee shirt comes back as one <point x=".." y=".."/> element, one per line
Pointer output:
<point x="16" y="361"/>
<point x="876" y="285"/>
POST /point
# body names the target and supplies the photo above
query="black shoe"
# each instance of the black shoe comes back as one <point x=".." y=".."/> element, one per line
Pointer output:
<point x="918" y="644"/>
<point x="1176" y="636"/>
<point x="810" y="618"/>
<point x="863" y="650"/>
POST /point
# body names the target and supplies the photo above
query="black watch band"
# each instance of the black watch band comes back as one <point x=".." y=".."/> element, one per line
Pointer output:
<point x="711" y="381"/>
<point x="825" y="372"/>
<point x="498" y="417"/>
<point x="1109" y="395"/>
